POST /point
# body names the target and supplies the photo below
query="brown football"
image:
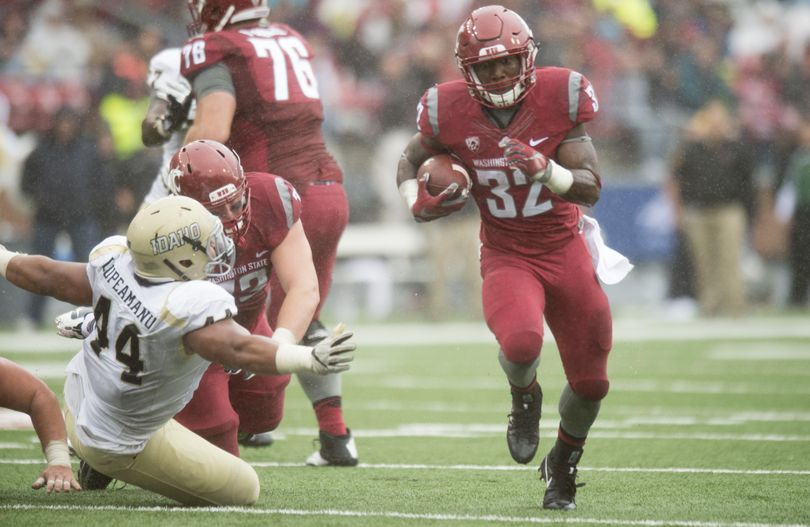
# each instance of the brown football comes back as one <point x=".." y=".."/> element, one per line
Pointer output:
<point x="444" y="170"/>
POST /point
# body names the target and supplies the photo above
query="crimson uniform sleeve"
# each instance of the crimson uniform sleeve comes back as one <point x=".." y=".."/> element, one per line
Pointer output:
<point x="202" y="52"/>
<point x="427" y="119"/>
<point x="582" y="101"/>
<point x="282" y="205"/>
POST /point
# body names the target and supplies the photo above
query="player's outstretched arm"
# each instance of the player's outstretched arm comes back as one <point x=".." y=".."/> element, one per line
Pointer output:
<point x="66" y="281"/>
<point x="292" y="263"/>
<point x="420" y="203"/>
<point x="21" y="391"/>
<point x="231" y="345"/>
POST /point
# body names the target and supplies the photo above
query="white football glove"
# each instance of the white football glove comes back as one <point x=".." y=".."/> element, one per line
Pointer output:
<point x="170" y="90"/>
<point x="76" y="324"/>
<point x="333" y="355"/>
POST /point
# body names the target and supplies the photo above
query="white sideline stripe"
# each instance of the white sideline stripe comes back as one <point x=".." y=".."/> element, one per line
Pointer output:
<point x="401" y="515"/>
<point x="503" y="468"/>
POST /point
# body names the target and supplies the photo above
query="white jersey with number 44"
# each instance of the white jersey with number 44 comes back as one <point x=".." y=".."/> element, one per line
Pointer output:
<point x="135" y="373"/>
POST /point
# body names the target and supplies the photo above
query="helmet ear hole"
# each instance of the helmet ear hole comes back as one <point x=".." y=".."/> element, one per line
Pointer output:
<point x="186" y="263"/>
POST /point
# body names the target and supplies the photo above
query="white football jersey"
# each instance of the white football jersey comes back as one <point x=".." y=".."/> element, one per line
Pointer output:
<point x="167" y="63"/>
<point x="135" y="372"/>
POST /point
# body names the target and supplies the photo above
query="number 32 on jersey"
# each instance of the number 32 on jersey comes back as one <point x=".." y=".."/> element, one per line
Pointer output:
<point x="502" y="204"/>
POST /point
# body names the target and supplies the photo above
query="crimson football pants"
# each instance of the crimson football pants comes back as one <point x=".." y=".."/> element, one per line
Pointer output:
<point x="562" y="285"/>
<point x="324" y="216"/>
<point x="225" y="404"/>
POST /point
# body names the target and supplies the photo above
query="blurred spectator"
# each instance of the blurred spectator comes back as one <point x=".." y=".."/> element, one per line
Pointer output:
<point x="53" y="48"/>
<point x="14" y="221"/>
<point x="794" y="205"/>
<point x="712" y="183"/>
<point x="64" y="180"/>
<point x="13" y="27"/>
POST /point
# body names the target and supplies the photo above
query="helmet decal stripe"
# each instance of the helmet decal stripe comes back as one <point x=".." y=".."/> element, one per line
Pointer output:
<point x="175" y="270"/>
<point x="433" y="109"/>
<point x="574" y="82"/>
<point x="286" y="200"/>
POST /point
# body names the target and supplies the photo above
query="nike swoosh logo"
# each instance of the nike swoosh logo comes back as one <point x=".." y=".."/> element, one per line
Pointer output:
<point x="261" y="253"/>
<point x="535" y="142"/>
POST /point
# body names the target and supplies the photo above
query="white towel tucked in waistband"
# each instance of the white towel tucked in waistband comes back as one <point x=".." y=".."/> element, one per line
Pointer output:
<point x="611" y="265"/>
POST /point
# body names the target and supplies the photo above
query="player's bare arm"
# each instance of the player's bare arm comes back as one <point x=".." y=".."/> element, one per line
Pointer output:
<point x="227" y="343"/>
<point x="21" y="391"/>
<point x="215" y="111"/>
<point x="292" y="263"/>
<point x="65" y="281"/>
<point x="418" y="149"/>
<point x="577" y="154"/>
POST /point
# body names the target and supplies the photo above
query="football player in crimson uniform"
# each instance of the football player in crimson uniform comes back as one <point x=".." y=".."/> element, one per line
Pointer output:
<point x="256" y="92"/>
<point x="520" y="130"/>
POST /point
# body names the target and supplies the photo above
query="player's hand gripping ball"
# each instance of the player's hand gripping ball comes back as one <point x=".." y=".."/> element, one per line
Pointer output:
<point x="443" y="171"/>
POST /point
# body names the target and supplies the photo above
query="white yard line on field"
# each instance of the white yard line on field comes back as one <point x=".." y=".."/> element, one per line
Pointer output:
<point x="460" y="333"/>
<point x="550" y="519"/>
<point x="504" y="468"/>
<point x="606" y="429"/>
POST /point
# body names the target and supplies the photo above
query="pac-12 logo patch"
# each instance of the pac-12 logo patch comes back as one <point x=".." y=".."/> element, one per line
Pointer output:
<point x="473" y="143"/>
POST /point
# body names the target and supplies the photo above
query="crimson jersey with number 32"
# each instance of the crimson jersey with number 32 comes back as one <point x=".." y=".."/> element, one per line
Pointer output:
<point x="517" y="214"/>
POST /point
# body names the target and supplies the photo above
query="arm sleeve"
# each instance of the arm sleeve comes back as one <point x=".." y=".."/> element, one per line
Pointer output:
<point x="213" y="79"/>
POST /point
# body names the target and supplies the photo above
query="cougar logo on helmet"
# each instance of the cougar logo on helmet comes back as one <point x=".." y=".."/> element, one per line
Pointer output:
<point x="493" y="32"/>
<point x="176" y="238"/>
<point x="212" y="174"/>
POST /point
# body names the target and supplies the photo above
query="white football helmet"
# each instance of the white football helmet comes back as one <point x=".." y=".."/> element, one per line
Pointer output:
<point x="176" y="238"/>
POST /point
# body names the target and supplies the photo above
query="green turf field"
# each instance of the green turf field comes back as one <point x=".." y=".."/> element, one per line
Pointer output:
<point x="706" y="424"/>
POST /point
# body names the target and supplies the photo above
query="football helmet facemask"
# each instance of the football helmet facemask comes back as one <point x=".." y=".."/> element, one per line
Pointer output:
<point x="212" y="174"/>
<point x="494" y="32"/>
<point x="215" y="15"/>
<point x="176" y="238"/>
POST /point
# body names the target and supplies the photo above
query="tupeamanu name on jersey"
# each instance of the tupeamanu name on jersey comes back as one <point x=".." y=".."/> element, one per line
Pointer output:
<point x="110" y="273"/>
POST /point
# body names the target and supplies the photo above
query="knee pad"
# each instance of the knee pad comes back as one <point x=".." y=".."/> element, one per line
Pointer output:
<point x="522" y="347"/>
<point x="591" y="389"/>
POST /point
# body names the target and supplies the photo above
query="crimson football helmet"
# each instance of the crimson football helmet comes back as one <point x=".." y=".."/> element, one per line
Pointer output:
<point x="215" y="15"/>
<point x="493" y="32"/>
<point x="212" y="174"/>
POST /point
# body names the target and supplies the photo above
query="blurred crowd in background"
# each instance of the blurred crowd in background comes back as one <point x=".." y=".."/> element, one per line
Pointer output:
<point x="73" y="94"/>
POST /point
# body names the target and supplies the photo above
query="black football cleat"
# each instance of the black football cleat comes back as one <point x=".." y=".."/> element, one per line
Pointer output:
<point x="315" y="333"/>
<point x="560" y="474"/>
<point x="91" y="479"/>
<point x="255" y="440"/>
<point x="523" y="431"/>
<point x="337" y="451"/>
